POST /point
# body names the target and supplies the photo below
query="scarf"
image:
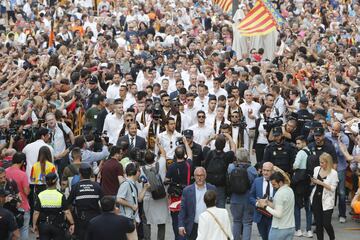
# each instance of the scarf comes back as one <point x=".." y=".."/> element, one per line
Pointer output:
<point x="215" y="125"/>
<point x="152" y="134"/>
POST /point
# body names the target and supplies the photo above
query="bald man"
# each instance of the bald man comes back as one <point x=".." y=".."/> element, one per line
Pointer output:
<point x="192" y="204"/>
<point x="336" y="135"/>
<point x="262" y="188"/>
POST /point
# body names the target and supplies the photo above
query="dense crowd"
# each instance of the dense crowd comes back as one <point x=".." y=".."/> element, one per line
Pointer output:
<point x="116" y="116"/>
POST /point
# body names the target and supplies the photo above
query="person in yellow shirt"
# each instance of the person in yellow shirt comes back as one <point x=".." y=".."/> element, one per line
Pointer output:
<point x="41" y="168"/>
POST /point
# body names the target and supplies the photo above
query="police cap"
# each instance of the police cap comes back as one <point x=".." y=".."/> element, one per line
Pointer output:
<point x="277" y="131"/>
<point x="51" y="178"/>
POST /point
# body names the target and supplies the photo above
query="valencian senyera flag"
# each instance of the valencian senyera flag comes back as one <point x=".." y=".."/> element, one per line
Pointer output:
<point x="262" y="19"/>
<point x="225" y="5"/>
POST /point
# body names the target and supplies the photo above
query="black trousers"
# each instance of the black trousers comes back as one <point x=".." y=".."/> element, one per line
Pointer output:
<point x="259" y="151"/>
<point x="322" y="219"/>
<point x="51" y="232"/>
<point x="193" y="234"/>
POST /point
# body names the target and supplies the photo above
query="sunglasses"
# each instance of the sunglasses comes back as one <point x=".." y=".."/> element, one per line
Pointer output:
<point x="129" y="120"/>
<point x="166" y="100"/>
<point x="234" y="116"/>
<point x="201" y="116"/>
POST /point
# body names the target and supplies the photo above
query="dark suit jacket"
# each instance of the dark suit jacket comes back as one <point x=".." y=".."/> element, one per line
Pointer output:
<point x="206" y="24"/>
<point x="188" y="207"/>
<point x="256" y="192"/>
<point x="101" y="119"/>
<point x="139" y="141"/>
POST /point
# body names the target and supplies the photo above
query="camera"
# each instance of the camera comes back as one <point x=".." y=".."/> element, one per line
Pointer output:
<point x="179" y="141"/>
<point x="156" y="112"/>
<point x="270" y="123"/>
<point x="137" y="155"/>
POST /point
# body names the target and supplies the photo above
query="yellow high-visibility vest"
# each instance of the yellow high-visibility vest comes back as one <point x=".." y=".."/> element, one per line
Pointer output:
<point x="50" y="198"/>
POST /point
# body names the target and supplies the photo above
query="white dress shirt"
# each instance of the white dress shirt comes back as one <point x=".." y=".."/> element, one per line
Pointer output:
<point x="113" y="126"/>
<point x="168" y="142"/>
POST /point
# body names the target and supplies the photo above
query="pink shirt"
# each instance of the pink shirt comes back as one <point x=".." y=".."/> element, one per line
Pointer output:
<point x="22" y="182"/>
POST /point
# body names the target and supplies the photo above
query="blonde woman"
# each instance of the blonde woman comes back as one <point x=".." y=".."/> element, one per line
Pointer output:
<point x="322" y="198"/>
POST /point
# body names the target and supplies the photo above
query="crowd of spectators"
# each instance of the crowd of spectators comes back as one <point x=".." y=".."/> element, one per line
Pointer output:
<point x="145" y="92"/>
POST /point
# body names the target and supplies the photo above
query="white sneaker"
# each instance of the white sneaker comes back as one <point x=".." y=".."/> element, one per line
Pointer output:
<point x="298" y="233"/>
<point x="342" y="220"/>
<point x="309" y="234"/>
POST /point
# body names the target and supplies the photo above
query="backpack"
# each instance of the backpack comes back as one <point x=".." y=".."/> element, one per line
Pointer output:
<point x="216" y="169"/>
<point x="157" y="188"/>
<point x="301" y="175"/>
<point x="312" y="162"/>
<point x="66" y="136"/>
<point x="76" y="176"/>
<point x="239" y="179"/>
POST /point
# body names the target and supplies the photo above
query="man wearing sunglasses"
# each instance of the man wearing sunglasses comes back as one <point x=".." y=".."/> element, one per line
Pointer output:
<point x="200" y="130"/>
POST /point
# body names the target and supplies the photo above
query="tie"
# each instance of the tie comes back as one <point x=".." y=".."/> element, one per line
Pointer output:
<point x="131" y="143"/>
<point x="155" y="129"/>
<point x="267" y="189"/>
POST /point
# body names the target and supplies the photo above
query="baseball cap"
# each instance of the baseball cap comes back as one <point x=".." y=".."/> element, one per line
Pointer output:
<point x="277" y="131"/>
<point x="319" y="131"/>
<point x="93" y="80"/>
<point x="188" y="133"/>
<point x="321" y="112"/>
<point x="304" y="100"/>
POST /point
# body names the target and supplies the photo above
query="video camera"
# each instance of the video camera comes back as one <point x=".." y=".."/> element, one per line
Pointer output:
<point x="270" y="123"/>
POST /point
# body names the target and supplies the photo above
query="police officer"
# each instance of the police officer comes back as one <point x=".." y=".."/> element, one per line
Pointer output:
<point x="196" y="148"/>
<point x="279" y="152"/>
<point x="50" y="208"/>
<point x="319" y="146"/>
<point x="85" y="197"/>
<point x="304" y="117"/>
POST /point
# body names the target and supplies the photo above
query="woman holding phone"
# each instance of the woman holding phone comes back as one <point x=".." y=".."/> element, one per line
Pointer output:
<point x="322" y="198"/>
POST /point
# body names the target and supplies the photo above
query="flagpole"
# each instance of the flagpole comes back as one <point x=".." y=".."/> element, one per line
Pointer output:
<point x="235" y="5"/>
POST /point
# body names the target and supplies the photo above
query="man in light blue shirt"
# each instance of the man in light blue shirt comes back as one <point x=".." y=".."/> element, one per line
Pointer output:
<point x="335" y="136"/>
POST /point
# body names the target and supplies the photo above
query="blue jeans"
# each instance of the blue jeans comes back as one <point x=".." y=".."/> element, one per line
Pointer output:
<point x="308" y="215"/>
<point x="221" y="197"/>
<point x="242" y="216"/>
<point x="24" y="230"/>
<point x="281" y="234"/>
<point x="342" y="194"/>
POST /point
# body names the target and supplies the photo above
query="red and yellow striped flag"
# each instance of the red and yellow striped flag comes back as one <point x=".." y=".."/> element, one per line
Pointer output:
<point x="259" y="21"/>
<point x="225" y="5"/>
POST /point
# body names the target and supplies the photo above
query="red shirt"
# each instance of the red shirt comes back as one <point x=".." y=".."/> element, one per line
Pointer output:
<point x="22" y="182"/>
<point x="110" y="172"/>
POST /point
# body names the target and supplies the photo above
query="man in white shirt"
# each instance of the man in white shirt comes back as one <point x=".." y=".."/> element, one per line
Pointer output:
<point x="114" y="88"/>
<point x="201" y="131"/>
<point x="32" y="149"/>
<point x="126" y="98"/>
<point x="201" y="101"/>
<point x="190" y="109"/>
<point x="169" y="138"/>
<point x="218" y="120"/>
<point x="217" y="90"/>
<point x="114" y="122"/>
<point x="210" y="112"/>
<point x="279" y="102"/>
<point x="250" y="110"/>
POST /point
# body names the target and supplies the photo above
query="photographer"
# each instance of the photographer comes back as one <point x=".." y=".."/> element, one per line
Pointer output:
<point x="8" y="226"/>
<point x="16" y="174"/>
<point x="261" y="133"/>
<point x="178" y="176"/>
<point x="13" y="201"/>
